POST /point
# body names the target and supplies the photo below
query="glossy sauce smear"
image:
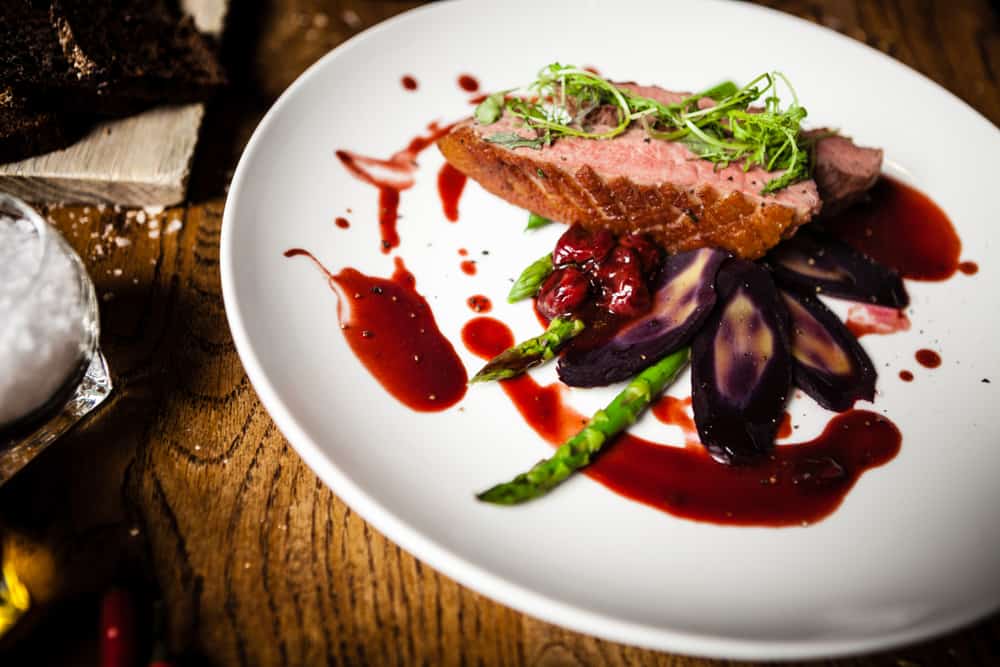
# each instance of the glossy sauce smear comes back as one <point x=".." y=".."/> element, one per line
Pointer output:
<point x="391" y="330"/>
<point x="902" y="228"/>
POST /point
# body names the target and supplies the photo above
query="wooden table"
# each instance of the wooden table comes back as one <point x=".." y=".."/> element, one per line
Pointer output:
<point x="182" y="487"/>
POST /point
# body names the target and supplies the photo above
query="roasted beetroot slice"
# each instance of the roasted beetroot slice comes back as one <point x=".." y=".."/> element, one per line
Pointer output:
<point x="684" y="297"/>
<point x="813" y="262"/>
<point x="741" y="366"/>
<point x="830" y="365"/>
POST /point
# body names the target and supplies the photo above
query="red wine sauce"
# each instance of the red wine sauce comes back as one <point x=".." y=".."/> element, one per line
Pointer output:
<point x="928" y="358"/>
<point x="468" y="267"/>
<point x="969" y="268"/>
<point x="674" y="412"/>
<point x="543" y="408"/>
<point x="903" y="229"/>
<point x="409" y="83"/>
<point x="785" y="427"/>
<point x="391" y="177"/>
<point x="468" y="83"/>
<point x="451" y="182"/>
<point x="343" y="223"/>
<point x="479" y="303"/>
<point x="798" y="484"/>
<point x="391" y="330"/>
<point x="906" y="376"/>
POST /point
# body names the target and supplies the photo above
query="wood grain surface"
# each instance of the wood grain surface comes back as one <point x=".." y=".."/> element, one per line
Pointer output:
<point x="182" y="488"/>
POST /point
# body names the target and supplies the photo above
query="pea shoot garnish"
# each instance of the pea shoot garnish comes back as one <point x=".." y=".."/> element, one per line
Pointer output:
<point x="560" y="103"/>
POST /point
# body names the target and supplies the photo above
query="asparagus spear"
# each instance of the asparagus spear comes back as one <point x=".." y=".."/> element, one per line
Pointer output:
<point x="576" y="452"/>
<point x="516" y="360"/>
<point x="531" y="279"/>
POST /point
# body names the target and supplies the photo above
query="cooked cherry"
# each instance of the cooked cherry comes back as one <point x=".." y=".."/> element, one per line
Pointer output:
<point x="650" y="255"/>
<point x="623" y="290"/>
<point x="562" y="292"/>
<point x="578" y="246"/>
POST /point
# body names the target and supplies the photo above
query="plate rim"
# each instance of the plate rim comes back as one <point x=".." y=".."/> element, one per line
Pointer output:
<point x="477" y="578"/>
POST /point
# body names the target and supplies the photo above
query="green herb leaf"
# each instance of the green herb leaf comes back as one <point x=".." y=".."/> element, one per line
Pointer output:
<point x="489" y="110"/>
<point x="721" y="91"/>
<point x="527" y="284"/>
<point x="514" y="140"/>
<point x="535" y="221"/>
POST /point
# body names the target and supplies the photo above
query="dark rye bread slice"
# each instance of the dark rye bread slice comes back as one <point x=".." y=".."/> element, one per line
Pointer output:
<point x="31" y="58"/>
<point x="133" y="53"/>
<point x="129" y="54"/>
<point x="24" y="134"/>
<point x="30" y="48"/>
<point x="103" y="56"/>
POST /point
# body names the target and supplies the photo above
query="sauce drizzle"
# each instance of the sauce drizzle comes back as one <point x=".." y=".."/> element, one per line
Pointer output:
<point x="906" y="376"/>
<point x="392" y="331"/>
<point x="341" y="222"/>
<point x="673" y="411"/>
<point x="391" y="176"/>
<point x="451" y="182"/>
<point x="798" y="484"/>
<point x="468" y="267"/>
<point x="409" y="83"/>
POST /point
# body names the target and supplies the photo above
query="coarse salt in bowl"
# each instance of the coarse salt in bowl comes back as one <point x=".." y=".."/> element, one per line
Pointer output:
<point x="48" y="315"/>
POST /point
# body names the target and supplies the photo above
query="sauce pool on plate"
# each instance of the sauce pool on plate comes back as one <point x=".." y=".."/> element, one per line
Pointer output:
<point x="903" y="229"/>
<point x="392" y="331"/>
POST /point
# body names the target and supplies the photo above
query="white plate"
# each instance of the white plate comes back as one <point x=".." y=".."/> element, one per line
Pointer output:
<point x="910" y="553"/>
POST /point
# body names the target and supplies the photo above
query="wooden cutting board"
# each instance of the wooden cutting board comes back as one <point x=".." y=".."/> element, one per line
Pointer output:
<point x="142" y="160"/>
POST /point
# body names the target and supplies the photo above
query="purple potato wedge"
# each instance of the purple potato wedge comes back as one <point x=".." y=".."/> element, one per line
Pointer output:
<point x="830" y="365"/>
<point x="741" y="366"/>
<point x="683" y="299"/>
<point x="813" y="262"/>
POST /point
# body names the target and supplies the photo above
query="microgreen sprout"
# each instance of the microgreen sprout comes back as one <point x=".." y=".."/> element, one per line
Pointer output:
<point x="561" y="100"/>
